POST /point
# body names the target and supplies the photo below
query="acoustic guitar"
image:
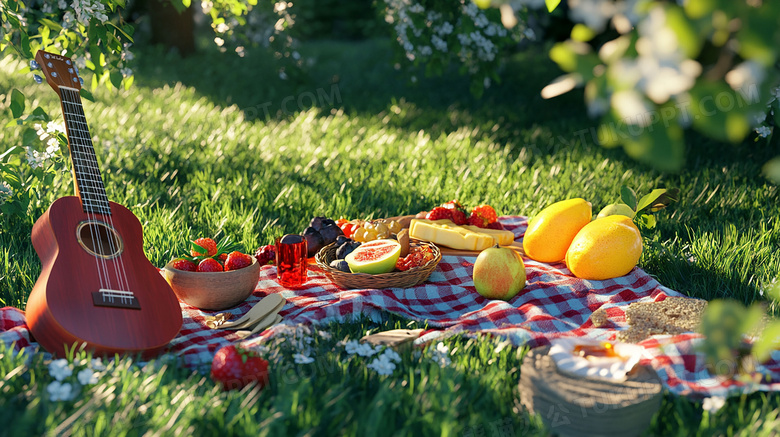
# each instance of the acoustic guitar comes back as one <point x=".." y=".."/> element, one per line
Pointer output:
<point x="96" y="285"/>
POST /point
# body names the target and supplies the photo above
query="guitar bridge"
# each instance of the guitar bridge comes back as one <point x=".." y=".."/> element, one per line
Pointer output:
<point x="115" y="299"/>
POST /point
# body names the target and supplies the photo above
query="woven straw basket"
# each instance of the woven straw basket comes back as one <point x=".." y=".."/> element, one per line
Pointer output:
<point x="408" y="278"/>
<point x="576" y="406"/>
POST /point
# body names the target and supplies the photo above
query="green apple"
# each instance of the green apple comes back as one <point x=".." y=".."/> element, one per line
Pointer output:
<point x="617" y="209"/>
<point x="499" y="273"/>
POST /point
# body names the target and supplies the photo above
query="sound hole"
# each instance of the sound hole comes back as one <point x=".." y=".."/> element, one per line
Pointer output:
<point x="99" y="239"/>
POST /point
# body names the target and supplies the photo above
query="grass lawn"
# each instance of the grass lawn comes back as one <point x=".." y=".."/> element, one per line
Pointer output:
<point x="190" y="151"/>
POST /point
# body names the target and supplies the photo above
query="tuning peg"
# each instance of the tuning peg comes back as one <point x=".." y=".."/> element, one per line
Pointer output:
<point x="38" y="79"/>
<point x="34" y="65"/>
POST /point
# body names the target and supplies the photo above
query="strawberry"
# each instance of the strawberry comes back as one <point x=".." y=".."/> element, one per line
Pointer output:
<point x="452" y="205"/>
<point x="439" y="213"/>
<point x="234" y="368"/>
<point x="184" y="264"/>
<point x="495" y="225"/>
<point x="459" y="217"/>
<point x="204" y="244"/>
<point x="222" y="257"/>
<point x="237" y="260"/>
<point x="487" y="212"/>
<point x="476" y="220"/>
<point x="209" y="265"/>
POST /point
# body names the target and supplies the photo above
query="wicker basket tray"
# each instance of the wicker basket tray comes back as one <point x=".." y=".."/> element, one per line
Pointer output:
<point x="575" y="406"/>
<point x="408" y="278"/>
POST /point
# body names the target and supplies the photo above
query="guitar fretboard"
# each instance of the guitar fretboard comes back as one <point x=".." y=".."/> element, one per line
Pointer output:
<point x="89" y="183"/>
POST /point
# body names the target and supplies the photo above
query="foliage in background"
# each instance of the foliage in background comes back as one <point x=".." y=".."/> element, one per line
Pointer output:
<point x="651" y="68"/>
<point x="440" y="33"/>
<point x="727" y="323"/>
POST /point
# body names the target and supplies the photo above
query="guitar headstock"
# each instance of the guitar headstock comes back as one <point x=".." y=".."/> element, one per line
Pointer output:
<point x="58" y="70"/>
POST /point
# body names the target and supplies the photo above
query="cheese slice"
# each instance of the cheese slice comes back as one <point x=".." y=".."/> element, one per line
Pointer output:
<point x="501" y="237"/>
<point x="447" y="233"/>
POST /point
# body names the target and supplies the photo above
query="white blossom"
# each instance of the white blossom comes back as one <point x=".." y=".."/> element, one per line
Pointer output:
<point x="439" y="43"/>
<point x="126" y="72"/>
<point x="97" y="364"/>
<point x="391" y="355"/>
<point x="352" y="347"/>
<point x="6" y="192"/>
<point x="87" y="377"/>
<point x="302" y="359"/>
<point x="713" y="403"/>
<point x="324" y="334"/>
<point x="60" y="391"/>
<point x="219" y="41"/>
<point x="366" y="350"/>
<point x="60" y="369"/>
<point x="764" y="131"/>
<point x="426" y="50"/>
<point x="382" y="365"/>
<point x="441" y="355"/>
<point x="222" y="28"/>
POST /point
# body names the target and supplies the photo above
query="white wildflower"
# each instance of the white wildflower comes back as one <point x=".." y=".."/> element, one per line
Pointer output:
<point x="366" y="350"/>
<point x="87" y="377"/>
<point x="97" y="364"/>
<point x="713" y="403"/>
<point x="6" y="192"/>
<point x="126" y="72"/>
<point x="282" y="75"/>
<point x="325" y="335"/>
<point x="60" y="369"/>
<point x="40" y="131"/>
<point x="391" y="355"/>
<point x="352" y="347"/>
<point x="206" y="6"/>
<point x="382" y="365"/>
<point x="764" y="131"/>
<point x="219" y="41"/>
<point x="446" y="28"/>
<point x="61" y="391"/>
<point x="62" y="4"/>
<point x="302" y="359"/>
<point x="441" y="354"/>
<point x="426" y="50"/>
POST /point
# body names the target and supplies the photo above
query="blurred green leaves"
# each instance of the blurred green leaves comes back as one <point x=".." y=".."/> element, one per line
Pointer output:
<point x="707" y="65"/>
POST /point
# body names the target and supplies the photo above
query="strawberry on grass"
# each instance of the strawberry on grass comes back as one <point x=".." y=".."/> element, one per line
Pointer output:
<point x="234" y="368"/>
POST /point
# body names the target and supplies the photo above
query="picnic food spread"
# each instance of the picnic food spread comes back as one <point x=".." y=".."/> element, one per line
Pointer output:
<point x="379" y="257"/>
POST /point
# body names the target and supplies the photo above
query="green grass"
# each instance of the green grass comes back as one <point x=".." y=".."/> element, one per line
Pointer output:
<point x="189" y="150"/>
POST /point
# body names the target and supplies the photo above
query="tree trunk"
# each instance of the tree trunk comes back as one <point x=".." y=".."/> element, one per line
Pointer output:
<point x="172" y="28"/>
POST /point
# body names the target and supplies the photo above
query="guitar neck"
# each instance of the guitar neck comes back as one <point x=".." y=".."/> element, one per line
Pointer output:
<point x="86" y="172"/>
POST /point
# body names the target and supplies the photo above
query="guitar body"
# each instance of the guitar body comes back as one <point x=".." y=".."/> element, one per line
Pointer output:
<point x="82" y="254"/>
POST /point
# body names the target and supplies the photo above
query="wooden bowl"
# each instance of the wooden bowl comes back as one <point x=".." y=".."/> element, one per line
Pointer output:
<point x="213" y="291"/>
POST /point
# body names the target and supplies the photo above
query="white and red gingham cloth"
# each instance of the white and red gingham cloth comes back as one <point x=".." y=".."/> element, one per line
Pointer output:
<point x="553" y="304"/>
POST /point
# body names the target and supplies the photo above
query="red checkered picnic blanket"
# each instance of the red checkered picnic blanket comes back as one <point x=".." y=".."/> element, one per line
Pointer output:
<point x="553" y="304"/>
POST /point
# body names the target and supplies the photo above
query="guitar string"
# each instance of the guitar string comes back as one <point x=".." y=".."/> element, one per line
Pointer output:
<point x="94" y="191"/>
<point x="119" y="267"/>
<point x="73" y="131"/>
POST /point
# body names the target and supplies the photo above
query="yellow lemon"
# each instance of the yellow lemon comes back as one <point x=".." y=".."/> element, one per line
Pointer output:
<point x="605" y="248"/>
<point x="550" y="233"/>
